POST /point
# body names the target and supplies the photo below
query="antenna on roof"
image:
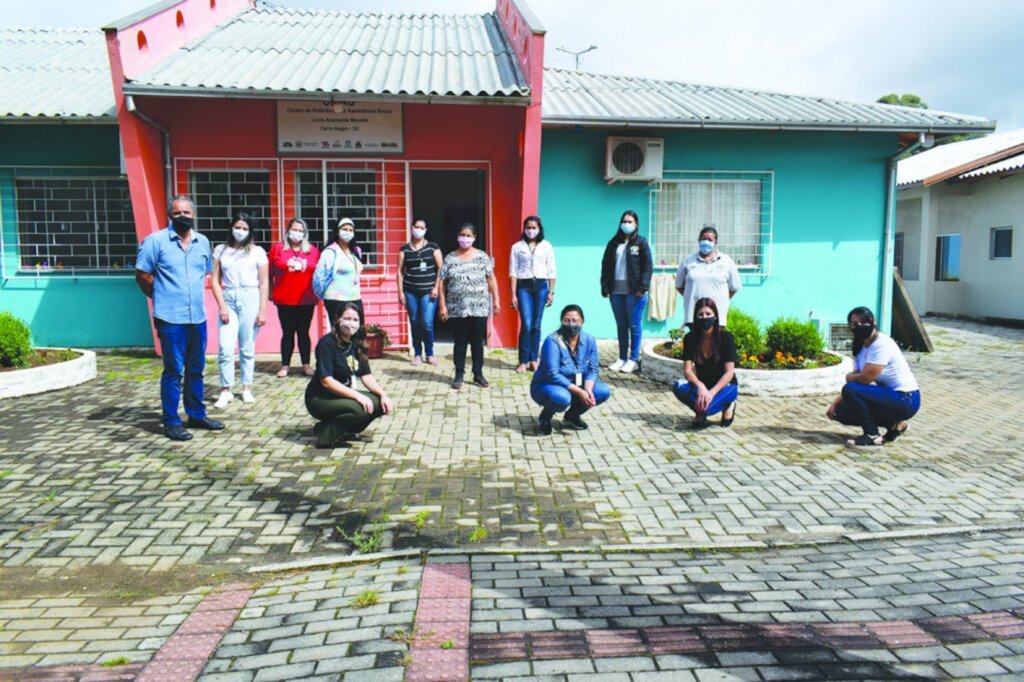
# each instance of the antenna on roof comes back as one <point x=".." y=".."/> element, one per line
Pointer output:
<point x="577" y="55"/>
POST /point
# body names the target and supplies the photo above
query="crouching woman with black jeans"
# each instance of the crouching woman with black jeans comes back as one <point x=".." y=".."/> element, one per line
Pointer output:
<point x="330" y="398"/>
<point x="881" y="391"/>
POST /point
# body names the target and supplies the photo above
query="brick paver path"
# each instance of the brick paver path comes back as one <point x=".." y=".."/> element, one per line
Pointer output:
<point x="92" y="496"/>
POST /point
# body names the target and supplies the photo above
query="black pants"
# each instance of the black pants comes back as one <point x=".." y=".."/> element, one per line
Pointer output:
<point x="337" y="416"/>
<point x="471" y="331"/>
<point x="334" y="309"/>
<point x="295" y="321"/>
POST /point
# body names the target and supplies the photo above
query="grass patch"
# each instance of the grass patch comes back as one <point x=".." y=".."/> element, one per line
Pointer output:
<point x="115" y="662"/>
<point x="479" y="534"/>
<point x="448" y="644"/>
<point x="365" y="599"/>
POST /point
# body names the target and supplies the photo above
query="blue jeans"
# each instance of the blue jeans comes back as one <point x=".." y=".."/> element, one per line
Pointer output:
<point x="532" y="298"/>
<point x="184" y="350"/>
<point x="553" y="398"/>
<point x="629" y="314"/>
<point x="243" y="307"/>
<point x="868" y="405"/>
<point x="687" y="395"/>
<point x="421" y="317"/>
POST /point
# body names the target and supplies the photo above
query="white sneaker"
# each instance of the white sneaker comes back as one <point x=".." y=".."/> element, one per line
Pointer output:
<point x="617" y="365"/>
<point x="628" y="368"/>
<point x="223" y="399"/>
<point x="248" y="397"/>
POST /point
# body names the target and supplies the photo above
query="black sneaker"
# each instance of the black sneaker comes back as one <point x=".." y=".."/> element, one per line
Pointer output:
<point x="177" y="432"/>
<point x="481" y="382"/>
<point x="205" y="423"/>
<point x="573" y="421"/>
<point x="457" y="383"/>
<point x="544" y="427"/>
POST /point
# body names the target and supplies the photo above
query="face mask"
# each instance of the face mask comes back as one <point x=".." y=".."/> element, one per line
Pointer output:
<point x="239" y="235"/>
<point x="571" y="331"/>
<point x="706" y="246"/>
<point x="348" y="326"/>
<point x="706" y="322"/>
<point x="419" y="232"/>
<point x="466" y="242"/>
<point x="295" y="236"/>
<point x="347" y="236"/>
<point x="862" y="331"/>
<point x="627" y="228"/>
<point x="182" y="223"/>
<point x="532" y="232"/>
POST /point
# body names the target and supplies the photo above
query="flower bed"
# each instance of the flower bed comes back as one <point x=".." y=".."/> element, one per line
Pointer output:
<point x="762" y="378"/>
<point x="49" y="369"/>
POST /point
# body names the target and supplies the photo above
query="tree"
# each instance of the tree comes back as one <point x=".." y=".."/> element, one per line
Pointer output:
<point x="905" y="100"/>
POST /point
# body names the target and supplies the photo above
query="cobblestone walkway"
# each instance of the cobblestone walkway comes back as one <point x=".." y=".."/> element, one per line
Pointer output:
<point x="110" y="535"/>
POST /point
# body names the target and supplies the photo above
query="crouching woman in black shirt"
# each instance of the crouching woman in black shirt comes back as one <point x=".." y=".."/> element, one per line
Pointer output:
<point x="330" y="398"/>
<point x="709" y="360"/>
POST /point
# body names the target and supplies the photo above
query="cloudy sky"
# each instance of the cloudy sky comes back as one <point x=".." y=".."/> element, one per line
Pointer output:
<point x="957" y="57"/>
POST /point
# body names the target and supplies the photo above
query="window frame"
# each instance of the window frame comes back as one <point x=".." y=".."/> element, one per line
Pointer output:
<point x="674" y="178"/>
<point x="992" y="242"/>
<point x="939" y="251"/>
<point x="10" y="253"/>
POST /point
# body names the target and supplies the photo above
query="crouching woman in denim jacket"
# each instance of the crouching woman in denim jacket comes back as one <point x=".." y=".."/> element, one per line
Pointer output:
<point x="567" y="377"/>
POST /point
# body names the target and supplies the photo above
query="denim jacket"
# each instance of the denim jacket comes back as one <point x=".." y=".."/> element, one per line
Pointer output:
<point x="557" y="365"/>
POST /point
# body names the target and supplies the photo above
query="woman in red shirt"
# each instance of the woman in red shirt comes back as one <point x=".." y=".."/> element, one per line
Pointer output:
<point x="291" y="274"/>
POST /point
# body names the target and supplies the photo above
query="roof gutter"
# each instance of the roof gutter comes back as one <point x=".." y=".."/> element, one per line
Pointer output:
<point x="331" y="97"/>
<point x="980" y="127"/>
<point x="165" y="139"/>
<point x="885" y="306"/>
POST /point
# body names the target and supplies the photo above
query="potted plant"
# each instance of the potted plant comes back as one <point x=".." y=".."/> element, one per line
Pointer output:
<point x="377" y="340"/>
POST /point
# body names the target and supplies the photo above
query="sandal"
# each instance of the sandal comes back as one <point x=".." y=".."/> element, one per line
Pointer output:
<point x="897" y="430"/>
<point x="865" y="440"/>
<point x="282" y="373"/>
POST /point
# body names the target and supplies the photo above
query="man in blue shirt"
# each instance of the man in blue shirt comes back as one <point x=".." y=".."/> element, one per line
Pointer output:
<point x="171" y="269"/>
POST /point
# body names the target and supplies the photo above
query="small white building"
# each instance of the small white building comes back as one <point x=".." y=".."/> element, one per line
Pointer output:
<point x="959" y="212"/>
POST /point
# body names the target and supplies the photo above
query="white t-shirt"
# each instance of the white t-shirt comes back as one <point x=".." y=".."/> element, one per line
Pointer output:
<point x="536" y="264"/>
<point x="896" y="373"/>
<point x="240" y="268"/>
<point x="714" y="279"/>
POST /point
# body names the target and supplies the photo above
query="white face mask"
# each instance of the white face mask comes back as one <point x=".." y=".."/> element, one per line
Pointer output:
<point x="419" y="232"/>
<point x="532" y="232"/>
<point x="239" y="235"/>
<point x="349" y="327"/>
<point x="347" y="236"/>
<point x="627" y="228"/>
<point x="295" y="236"/>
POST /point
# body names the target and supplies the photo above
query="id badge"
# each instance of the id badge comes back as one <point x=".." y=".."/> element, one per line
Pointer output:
<point x="579" y="378"/>
<point x="423" y="265"/>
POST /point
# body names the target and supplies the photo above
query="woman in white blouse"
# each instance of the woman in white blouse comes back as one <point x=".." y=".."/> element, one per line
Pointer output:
<point x="532" y="271"/>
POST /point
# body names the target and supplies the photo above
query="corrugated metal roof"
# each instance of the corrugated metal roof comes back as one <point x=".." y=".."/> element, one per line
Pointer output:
<point x="949" y="157"/>
<point x="1011" y="164"/>
<point x="275" y="51"/>
<point x="596" y="99"/>
<point x="54" y="73"/>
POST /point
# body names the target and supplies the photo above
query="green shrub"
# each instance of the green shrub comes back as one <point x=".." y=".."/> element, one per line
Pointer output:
<point x="14" y="341"/>
<point x="747" y="332"/>
<point x="790" y="336"/>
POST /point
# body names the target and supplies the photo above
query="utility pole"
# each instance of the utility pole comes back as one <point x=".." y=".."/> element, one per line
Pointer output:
<point x="577" y="55"/>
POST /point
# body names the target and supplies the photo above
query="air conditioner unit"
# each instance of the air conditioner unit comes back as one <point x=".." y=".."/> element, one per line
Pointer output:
<point x="634" y="158"/>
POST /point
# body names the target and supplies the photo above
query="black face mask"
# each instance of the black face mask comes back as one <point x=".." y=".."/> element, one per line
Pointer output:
<point x="861" y="332"/>
<point x="182" y="223"/>
<point x="571" y="331"/>
<point x="706" y="322"/>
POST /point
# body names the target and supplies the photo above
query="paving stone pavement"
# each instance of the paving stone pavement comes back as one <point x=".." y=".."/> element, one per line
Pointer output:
<point x="96" y="496"/>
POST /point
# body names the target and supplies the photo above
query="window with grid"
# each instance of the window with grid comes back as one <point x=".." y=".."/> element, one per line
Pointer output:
<point x="737" y="205"/>
<point x="74" y="225"/>
<point x="351" y="193"/>
<point x="220" y="194"/>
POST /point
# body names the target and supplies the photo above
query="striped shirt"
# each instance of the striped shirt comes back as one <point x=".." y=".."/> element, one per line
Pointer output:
<point x="420" y="270"/>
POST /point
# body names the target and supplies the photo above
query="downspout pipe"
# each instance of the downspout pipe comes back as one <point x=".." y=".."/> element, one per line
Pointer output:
<point x="885" y="305"/>
<point x="165" y="139"/>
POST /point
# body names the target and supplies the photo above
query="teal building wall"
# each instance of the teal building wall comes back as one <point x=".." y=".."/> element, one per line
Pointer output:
<point x="65" y="310"/>
<point x="829" y="217"/>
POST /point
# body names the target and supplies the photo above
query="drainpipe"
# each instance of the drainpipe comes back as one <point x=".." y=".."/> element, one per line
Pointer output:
<point x="165" y="139"/>
<point x="885" y="305"/>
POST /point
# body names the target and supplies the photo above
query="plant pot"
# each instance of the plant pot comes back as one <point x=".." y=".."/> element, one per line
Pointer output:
<point x="374" y="346"/>
<point x="44" y="378"/>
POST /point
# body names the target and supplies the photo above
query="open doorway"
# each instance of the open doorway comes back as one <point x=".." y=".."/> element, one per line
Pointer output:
<point x="446" y="199"/>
